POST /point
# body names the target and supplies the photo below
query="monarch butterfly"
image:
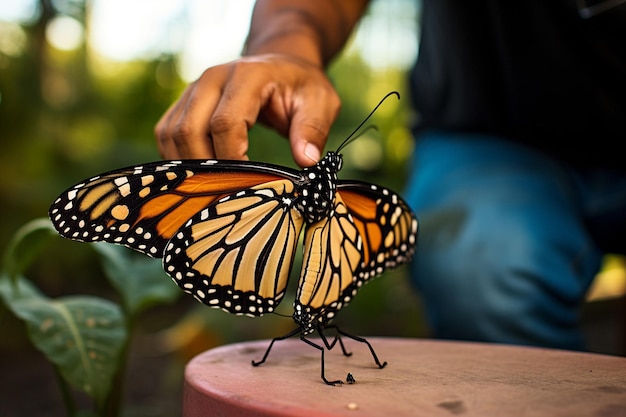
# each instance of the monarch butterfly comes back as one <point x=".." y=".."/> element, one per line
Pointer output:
<point x="227" y="231"/>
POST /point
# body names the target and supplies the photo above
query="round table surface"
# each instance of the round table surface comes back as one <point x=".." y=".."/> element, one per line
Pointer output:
<point x="423" y="377"/>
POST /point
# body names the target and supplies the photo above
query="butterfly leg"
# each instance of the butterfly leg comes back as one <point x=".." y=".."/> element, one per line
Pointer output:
<point x="267" y="352"/>
<point x="337" y="339"/>
<point x="363" y="340"/>
<point x="321" y="349"/>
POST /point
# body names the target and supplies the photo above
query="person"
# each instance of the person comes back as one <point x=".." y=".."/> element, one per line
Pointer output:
<point x="517" y="177"/>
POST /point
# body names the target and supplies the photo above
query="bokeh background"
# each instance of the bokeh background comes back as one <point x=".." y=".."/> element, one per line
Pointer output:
<point x="82" y="84"/>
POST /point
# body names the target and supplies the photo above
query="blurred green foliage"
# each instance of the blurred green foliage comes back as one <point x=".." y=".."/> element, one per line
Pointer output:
<point x="85" y="338"/>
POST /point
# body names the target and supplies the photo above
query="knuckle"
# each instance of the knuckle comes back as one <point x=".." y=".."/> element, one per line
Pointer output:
<point x="161" y="124"/>
<point x="159" y="133"/>
<point x="182" y="132"/>
<point x="223" y="122"/>
<point x="318" y="127"/>
<point x="333" y="99"/>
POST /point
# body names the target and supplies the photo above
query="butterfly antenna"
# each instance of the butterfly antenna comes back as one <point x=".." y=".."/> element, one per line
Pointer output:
<point x="351" y="135"/>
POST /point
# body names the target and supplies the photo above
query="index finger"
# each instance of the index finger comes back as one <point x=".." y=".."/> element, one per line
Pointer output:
<point x="243" y="96"/>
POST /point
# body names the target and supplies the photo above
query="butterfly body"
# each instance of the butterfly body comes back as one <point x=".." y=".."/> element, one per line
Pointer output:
<point x="317" y="191"/>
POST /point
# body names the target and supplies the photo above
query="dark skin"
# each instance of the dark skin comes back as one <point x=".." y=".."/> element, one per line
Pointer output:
<point x="280" y="82"/>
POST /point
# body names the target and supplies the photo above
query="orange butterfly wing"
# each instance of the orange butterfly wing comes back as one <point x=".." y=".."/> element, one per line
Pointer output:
<point x="142" y="207"/>
<point x="237" y="254"/>
<point x="371" y="229"/>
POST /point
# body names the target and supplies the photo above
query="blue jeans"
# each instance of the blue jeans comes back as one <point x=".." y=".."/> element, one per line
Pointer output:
<point x="509" y="239"/>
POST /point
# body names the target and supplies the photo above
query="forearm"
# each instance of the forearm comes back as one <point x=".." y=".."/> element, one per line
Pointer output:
<point x="311" y="30"/>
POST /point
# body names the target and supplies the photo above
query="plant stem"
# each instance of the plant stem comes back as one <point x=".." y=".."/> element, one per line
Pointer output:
<point x="112" y="404"/>
<point x="68" y="400"/>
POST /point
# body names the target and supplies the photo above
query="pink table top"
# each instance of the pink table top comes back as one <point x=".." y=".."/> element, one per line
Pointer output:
<point x="423" y="377"/>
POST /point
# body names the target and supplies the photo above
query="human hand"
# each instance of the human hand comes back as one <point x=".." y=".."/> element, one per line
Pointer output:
<point x="214" y="114"/>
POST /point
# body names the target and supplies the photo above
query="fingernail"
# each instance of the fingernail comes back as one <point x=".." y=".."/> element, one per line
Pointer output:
<point x="312" y="152"/>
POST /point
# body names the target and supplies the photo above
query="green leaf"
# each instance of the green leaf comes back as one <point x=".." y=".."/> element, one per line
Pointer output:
<point x="12" y="292"/>
<point x="82" y="336"/>
<point x="139" y="279"/>
<point x="26" y="244"/>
